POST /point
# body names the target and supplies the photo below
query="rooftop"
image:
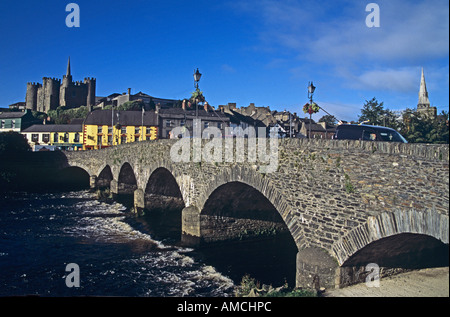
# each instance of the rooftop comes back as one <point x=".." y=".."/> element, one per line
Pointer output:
<point x="126" y="118"/>
<point x="54" y="128"/>
<point x="191" y="114"/>
<point x="12" y="115"/>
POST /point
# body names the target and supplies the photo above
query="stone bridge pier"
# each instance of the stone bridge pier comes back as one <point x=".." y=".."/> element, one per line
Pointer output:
<point x="346" y="205"/>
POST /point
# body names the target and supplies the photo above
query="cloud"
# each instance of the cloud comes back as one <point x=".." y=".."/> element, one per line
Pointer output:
<point x="400" y="80"/>
<point x="335" y="33"/>
<point x="409" y="31"/>
<point x="228" y="69"/>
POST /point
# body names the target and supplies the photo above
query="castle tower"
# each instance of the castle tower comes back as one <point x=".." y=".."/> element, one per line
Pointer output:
<point x="424" y="103"/>
<point x="68" y="68"/>
<point x="91" y="85"/>
<point x="48" y="94"/>
<point x="64" y="93"/>
<point x="31" y="97"/>
<point x="67" y="78"/>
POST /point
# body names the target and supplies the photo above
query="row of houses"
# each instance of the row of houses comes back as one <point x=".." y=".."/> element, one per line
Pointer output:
<point x="105" y="128"/>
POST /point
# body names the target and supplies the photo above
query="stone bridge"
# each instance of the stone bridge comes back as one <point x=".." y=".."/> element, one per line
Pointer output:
<point x="345" y="203"/>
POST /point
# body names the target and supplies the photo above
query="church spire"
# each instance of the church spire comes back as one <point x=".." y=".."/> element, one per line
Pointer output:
<point x="68" y="68"/>
<point x="423" y="93"/>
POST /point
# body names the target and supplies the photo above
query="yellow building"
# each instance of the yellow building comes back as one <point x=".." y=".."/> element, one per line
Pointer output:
<point x="55" y="136"/>
<point x="104" y="128"/>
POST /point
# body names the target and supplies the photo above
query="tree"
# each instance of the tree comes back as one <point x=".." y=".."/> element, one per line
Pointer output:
<point x="329" y="119"/>
<point x="419" y="128"/>
<point x="13" y="142"/>
<point x="63" y="116"/>
<point x="373" y="112"/>
<point x="131" y="105"/>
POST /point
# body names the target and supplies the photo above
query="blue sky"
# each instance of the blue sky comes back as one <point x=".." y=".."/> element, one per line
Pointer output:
<point x="260" y="51"/>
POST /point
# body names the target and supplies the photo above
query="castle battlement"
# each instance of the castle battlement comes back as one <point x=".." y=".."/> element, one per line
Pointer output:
<point x="51" y="79"/>
<point x="34" y="84"/>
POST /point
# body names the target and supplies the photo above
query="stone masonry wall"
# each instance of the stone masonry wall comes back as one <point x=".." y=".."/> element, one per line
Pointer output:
<point x="323" y="189"/>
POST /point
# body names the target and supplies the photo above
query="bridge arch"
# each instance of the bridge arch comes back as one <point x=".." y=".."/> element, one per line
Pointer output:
<point x="247" y="183"/>
<point x="83" y="167"/>
<point x="249" y="177"/>
<point x="265" y="249"/>
<point x="71" y="178"/>
<point x="105" y="176"/>
<point x="236" y="207"/>
<point x="391" y="226"/>
<point x="126" y="179"/>
<point x="162" y="190"/>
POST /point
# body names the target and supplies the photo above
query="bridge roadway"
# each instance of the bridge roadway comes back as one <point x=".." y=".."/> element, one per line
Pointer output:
<point x="345" y="203"/>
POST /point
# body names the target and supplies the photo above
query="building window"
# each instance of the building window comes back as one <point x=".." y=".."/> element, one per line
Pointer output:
<point x="76" y="138"/>
<point x="110" y="130"/>
<point x="206" y="124"/>
<point x="13" y="124"/>
<point x="99" y="140"/>
<point x="123" y="139"/>
<point x="182" y="123"/>
<point x="99" y="129"/>
<point x="35" y="138"/>
<point x="66" y="137"/>
<point x="3" y="124"/>
<point x="55" y="138"/>
<point x="147" y="130"/>
<point x="124" y="130"/>
<point x="46" y="138"/>
<point x="168" y="123"/>
<point x="110" y="139"/>
<point x="137" y="130"/>
<point x="220" y="125"/>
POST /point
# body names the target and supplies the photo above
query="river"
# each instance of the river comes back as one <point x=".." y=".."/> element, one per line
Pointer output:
<point x="41" y="233"/>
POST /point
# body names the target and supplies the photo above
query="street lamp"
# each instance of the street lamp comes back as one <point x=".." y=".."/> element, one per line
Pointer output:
<point x="311" y="89"/>
<point x="197" y="76"/>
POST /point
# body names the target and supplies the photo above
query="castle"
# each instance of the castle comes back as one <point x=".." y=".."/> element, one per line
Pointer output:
<point x="51" y="93"/>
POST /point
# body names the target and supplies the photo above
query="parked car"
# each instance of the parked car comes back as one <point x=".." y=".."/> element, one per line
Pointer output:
<point x="367" y="133"/>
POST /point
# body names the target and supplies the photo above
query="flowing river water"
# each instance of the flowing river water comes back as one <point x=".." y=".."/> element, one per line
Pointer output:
<point x="41" y="233"/>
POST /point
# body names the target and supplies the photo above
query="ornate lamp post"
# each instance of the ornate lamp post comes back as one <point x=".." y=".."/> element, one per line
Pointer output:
<point x="311" y="90"/>
<point x="197" y="76"/>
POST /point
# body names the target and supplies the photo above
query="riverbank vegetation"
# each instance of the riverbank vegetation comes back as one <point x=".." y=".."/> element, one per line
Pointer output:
<point x="249" y="287"/>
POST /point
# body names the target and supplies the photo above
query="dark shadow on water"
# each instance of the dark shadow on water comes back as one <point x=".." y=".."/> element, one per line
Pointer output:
<point x="269" y="259"/>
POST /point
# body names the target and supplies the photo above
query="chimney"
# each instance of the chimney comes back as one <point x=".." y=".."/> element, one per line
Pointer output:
<point x="205" y="106"/>
<point x="129" y="91"/>
<point x="157" y="107"/>
<point x="183" y="104"/>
